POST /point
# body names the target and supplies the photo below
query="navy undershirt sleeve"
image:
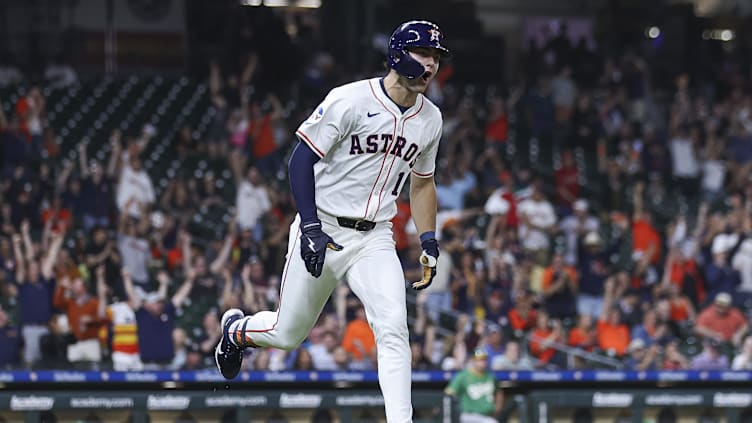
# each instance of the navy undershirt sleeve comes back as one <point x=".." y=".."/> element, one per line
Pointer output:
<point x="302" y="181"/>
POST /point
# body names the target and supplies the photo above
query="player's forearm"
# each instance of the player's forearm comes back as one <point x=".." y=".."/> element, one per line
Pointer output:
<point x="423" y="204"/>
<point x="302" y="182"/>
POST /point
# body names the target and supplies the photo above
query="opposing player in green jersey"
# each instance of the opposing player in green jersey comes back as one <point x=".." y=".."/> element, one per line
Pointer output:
<point x="476" y="388"/>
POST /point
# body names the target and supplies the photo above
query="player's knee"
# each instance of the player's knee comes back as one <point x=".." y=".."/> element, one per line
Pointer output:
<point x="391" y="330"/>
<point x="290" y="343"/>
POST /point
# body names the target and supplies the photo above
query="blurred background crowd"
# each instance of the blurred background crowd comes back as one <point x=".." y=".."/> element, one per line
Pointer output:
<point x="595" y="211"/>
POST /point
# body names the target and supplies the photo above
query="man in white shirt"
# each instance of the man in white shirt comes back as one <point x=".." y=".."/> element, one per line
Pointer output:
<point x="713" y="172"/>
<point x="135" y="184"/>
<point x="576" y="225"/>
<point x="684" y="159"/>
<point x="322" y="353"/>
<point x="537" y="218"/>
<point x="743" y="360"/>
<point x="252" y="200"/>
<point x="742" y="263"/>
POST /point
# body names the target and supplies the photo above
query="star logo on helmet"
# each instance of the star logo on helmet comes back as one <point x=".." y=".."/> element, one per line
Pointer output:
<point x="435" y="34"/>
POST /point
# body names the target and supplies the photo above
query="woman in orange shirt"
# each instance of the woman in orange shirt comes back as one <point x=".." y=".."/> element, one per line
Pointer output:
<point x="358" y="338"/>
<point x="613" y="335"/>
<point x="522" y="316"/>
<point x="544" y="334"/>
<point x="681" y="308"/>
<point x="583" y="335"/>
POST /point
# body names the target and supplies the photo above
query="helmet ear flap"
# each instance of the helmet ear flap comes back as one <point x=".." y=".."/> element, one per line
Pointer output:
<point x="407" y="66"/>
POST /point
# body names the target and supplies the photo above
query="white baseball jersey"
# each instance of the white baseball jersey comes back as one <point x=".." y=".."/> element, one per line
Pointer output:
<point x="368" y="148"/>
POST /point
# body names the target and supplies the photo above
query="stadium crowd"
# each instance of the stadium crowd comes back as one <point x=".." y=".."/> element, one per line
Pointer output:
<point x="588" y="215"/>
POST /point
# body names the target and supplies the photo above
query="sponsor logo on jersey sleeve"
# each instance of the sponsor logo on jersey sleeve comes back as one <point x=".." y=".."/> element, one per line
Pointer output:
<point x="317" y="115"/>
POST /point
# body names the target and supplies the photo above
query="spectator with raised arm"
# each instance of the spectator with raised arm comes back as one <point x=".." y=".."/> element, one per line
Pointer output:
<point x="97" y="185"/>
<point x="155" y="319"/>
<point x="103" y="251"/>
<point x="243" y="295"/>
<point x="560" y="285"/>
<point x="135" y="193"/>
<point x="122" y="324"/>
<point x="35" y="290"/>
<point x="252" y="200"/>
<point x="522" y="316"/>
<point x="646" y="241"/>
<point x="613" y="335"/>
<point x="134" y="246"/>
<point x="537" y="220"/>
<point x="641" y="356"/>
<point x="575" y="227"/>
<point x="547" y="332"/>
<point x="452" y="188"/>
<point x="72" y="296"/>
<point x="720" y="276"/>
<point x="264" y="117"/>
<point x="583" y="335"/>
<point x="177" y="201"/>
<point x="567" y="184"/>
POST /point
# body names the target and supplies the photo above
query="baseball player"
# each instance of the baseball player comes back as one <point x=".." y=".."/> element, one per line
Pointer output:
<point x="475" y="387"/>
<point x="355" y="153"/>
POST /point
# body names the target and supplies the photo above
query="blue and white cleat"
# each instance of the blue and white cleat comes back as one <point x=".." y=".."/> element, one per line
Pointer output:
<point x="228" y="356"/>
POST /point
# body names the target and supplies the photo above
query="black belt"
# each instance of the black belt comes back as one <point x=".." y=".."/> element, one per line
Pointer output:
<point x="358" y="225"/>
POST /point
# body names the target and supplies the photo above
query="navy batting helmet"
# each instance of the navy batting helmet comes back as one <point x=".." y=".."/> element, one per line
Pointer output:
<point x="413" y="34"/>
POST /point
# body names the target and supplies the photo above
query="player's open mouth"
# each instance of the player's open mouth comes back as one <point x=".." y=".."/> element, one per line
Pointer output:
<point x="426" y="76"/>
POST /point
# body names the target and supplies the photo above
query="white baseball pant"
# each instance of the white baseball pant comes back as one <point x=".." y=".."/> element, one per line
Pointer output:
<point x="476" y="418"/>
<point x="370" y="265"/>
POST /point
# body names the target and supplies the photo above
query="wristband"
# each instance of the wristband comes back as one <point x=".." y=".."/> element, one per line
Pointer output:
<point x="427" y="235"/>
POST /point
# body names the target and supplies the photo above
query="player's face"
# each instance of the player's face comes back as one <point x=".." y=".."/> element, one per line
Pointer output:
<point x="480" y="363"/>
<point x="429" y="58"/>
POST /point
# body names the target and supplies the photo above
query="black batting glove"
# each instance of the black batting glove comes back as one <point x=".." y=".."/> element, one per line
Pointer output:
<point x="313" y="245"/>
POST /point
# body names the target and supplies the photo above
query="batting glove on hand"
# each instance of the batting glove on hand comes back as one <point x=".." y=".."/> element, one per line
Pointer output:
<point x="313" y="245"/>
<point x="428" y="259"/>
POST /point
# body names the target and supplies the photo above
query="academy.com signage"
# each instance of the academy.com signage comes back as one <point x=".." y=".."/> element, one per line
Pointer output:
<point x="732" y="399"/>
<point x="167" y="402"/>
<point x="299" y="400"/>
<point x="101" y="402"/>
<point x="31" y="403"/>
<point x="360" y="400"/>
<point x="674" y="399"/>
<point x="237" y="401"/>
<point x="612" y="399"/>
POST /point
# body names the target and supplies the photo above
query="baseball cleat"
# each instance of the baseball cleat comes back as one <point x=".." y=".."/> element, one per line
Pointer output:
<point x="228" y="356"/>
